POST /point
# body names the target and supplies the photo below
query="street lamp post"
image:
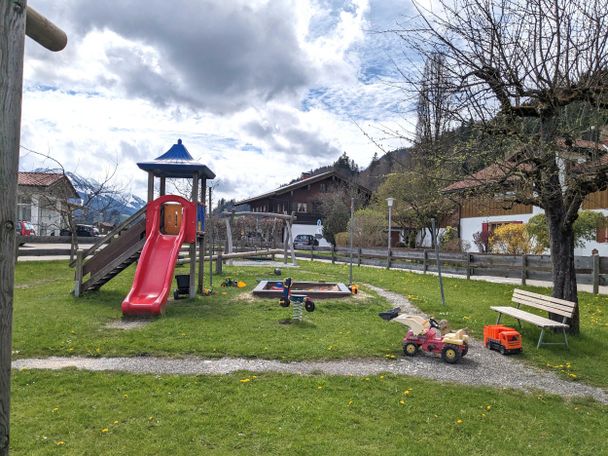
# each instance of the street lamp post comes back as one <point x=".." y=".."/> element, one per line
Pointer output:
<point x="390" y="202"/>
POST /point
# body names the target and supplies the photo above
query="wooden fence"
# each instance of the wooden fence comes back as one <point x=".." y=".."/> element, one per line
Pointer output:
<point x="589" y="269"/>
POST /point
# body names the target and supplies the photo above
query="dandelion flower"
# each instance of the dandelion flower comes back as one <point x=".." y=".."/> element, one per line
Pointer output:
<point x="104" y="430"/>
<point x="59" y="442"/>
<point x="402" y="402"/>
<point x="459" y="421"/>
<point x="245" y="380"/>
<point x="488" y="407"/>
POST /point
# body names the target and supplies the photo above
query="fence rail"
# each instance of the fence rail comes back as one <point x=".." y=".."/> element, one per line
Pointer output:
<point x="589" y="269"/>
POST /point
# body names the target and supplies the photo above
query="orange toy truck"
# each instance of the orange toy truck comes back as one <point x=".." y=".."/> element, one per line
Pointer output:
<point x="502" y="338"/>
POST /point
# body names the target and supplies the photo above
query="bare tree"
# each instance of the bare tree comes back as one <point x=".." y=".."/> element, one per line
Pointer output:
<point x="70" y="211"/>
<point x="521" y="71"/>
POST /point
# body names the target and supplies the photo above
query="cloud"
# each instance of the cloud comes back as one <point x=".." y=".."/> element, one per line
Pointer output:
<point x="216" y="56"/>
<point x="259" y="90"/>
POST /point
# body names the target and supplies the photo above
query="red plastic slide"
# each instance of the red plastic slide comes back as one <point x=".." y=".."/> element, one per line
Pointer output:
<point x="154" y="273"/>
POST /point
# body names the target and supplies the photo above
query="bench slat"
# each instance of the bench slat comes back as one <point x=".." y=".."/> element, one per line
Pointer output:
<point x="529" y="317"/>
<point x="528" y="302"/>
<point x="544" y="302"/>
<point x="544" y="297"/>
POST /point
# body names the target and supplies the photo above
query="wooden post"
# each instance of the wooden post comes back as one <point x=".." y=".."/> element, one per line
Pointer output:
<point x="193" y="245"/>
<point x="389" y="254"/>
<point x="312" y="251"/>
<point x="78" y="274"/>
<point x="13" y="15"/>
<point x="359" y="257"/>
<point x="211" y="240"/>
<point x="150" y="186"/>
<point x="163" y="186"/>
<point x="12" y="36"/>
<point x="293" y="251"/>
<point x="201" y="240"/>
<point x="333" y="254"/>
<point x="596" y="273"/>
<point x="219" y="262"/>
<point x="524" y="269"/>
<point x="285" y="237"/>
<point x="469" y="260"/>
<point x="425" y="261"/>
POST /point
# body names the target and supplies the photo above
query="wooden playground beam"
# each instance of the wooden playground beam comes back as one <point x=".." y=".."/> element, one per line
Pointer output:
<point x="13" y="16"/>
<point x="44" y="32"/>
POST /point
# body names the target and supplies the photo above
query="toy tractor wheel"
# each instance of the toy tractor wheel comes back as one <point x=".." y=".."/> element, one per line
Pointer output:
<point x="410" y="349"/>
<point x="465" y="350"/>
<point x="284" y="302"/>
<point x="450" y="354"/>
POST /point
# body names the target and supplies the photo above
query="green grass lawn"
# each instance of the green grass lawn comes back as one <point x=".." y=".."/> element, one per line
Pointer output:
<point x="49" y="321"/>
<point x="84" y="413"/>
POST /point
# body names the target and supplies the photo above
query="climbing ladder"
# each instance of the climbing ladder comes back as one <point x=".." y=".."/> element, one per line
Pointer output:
<point x="110" y="255"/>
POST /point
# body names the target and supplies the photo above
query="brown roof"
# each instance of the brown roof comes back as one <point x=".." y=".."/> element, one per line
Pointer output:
<point x="39" y="179"/>
<point x="490" y="175"/>
<point x="28" y="179"/>
<point x="499" y="172"/>
<point x="299" y="184"/>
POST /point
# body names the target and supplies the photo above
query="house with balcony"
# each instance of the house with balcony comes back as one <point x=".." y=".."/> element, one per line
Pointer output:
<point x="481" y="213"/>
<point x="44" y="200"/>
<point x="302" y="198"/>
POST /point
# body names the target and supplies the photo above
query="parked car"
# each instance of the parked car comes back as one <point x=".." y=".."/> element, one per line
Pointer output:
<point x="81" y="231"/>
<point x="303" y="241"/>
<point x="24" y="229"/>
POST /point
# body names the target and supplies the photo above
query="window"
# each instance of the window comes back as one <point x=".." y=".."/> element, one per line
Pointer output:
<point x="24" y="207"/>
<point x="323" y="187"/>
<point x="302" y="207"/>
<point x="490" y="227"/>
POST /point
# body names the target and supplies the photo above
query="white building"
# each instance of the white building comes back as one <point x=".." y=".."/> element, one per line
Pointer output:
<point x="42" y="200"/>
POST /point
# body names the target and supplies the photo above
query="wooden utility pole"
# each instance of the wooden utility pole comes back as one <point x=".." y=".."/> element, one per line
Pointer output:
<point x="12" y="37"/>
<point x="13" y="15"/>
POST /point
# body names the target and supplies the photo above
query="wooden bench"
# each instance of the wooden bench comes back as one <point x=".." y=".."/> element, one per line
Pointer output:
<point x="557" y="306"/>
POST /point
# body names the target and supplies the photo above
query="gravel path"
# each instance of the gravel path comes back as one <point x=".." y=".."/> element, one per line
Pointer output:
<point x="479" y="367"/>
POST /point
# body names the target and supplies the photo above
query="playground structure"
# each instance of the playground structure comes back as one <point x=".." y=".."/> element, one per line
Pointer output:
<point x="123" y="245"/>
<point x="156" y="265"/>
<point x="286" y="219"/>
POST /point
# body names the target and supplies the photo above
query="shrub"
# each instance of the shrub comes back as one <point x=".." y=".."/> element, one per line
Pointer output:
<point x="369" y="228"/>
<point x="585" y="228"/>
<point x="341" y="239"/>
<point x="513" y="239"/>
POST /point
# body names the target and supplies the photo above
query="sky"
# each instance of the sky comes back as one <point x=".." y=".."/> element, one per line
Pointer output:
<point x="258" y="90"/>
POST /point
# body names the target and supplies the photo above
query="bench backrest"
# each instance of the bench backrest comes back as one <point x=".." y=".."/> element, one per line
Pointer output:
<point x="548" y="303"/>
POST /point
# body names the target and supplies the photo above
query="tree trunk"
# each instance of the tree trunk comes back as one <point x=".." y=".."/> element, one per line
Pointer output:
<point x="562" y="257"/>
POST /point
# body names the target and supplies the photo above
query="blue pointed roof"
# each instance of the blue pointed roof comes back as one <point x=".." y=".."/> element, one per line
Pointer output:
<point x="176" y="162"/>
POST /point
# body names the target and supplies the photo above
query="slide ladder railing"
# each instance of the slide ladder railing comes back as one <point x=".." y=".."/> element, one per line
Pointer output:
<point x="110" y="255"/>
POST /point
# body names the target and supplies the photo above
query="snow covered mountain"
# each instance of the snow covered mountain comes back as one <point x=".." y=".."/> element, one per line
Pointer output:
<point x="101" y="203"/>
<point x="104" y="203"/>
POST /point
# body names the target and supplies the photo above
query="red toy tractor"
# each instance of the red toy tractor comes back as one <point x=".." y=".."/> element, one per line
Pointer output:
<point x="426" y="335"/>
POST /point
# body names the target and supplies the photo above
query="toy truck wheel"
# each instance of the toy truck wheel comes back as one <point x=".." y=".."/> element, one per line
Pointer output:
<point x="410" y="349"/>
<point x="450" y="354"/>
<point x="465" y="350"/>
<point x="501" y="349"/>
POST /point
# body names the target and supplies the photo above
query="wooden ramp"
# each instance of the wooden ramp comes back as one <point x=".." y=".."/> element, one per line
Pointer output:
<point x="111" y="255"/>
